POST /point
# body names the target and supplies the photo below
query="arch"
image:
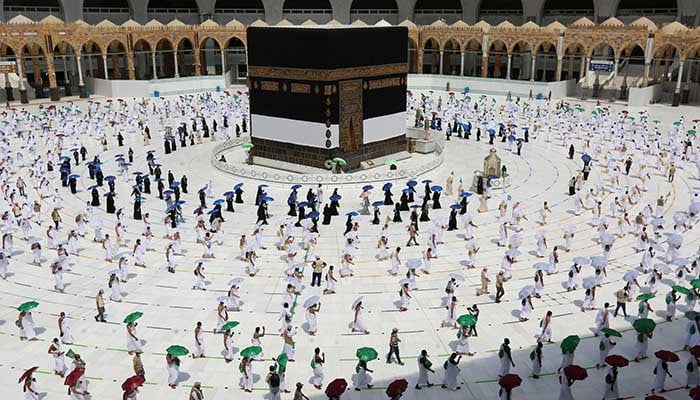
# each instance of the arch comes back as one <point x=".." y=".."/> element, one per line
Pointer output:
<point x="116" y="60"/>
<point x="497" y="54"/>
<point x="473" y="55"/>
<point x="33" y="9"/>
<point x="185" y="57"/>
<point x="165" y="11"/>
<point x="428" y="11"/>
<point x="235" y="41"/>
<point x="451" y="57"/>
<point x="210" y="56"/>
<point x="235" y="60"/>
<point x="496" y="11"/>
<point x="663" y="57"/>
<point x="412" y="56"/>
<point x="298" y="11"/>
<point x="566" y="11"/>
<point x="431" y="56"/>
<point x="64" y="65"/>
<point x="143" y="59"/>
<point x="34" y="52"/>
<point x="546" y="61"/>
<point x="117" y="11"/>
<point x="574" y="61"/>
<point x="522" y="55"/>
<point x="373" y="11"/>
<point x="660" y="11"/>
<point x="245" y="11"/>
<point x="165" y="63"/>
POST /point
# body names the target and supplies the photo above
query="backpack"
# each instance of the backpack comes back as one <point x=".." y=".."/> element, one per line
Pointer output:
<point x="533" y="355"/>
<point x="274" y="380"/>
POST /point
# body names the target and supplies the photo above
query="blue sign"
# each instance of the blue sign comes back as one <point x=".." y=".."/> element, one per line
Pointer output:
<point x="600" y="66"/>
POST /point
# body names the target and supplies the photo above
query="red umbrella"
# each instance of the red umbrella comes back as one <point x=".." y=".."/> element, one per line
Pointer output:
<point x="132" y="383"/>
<point x="72" y="378"/>
<point x="396" y="388"/>
<point x="336" y="387"/>
<point x="695" y="393"/>
<point x="667" y="356"/>
<point x="27" y="373"/>
<point x="575" y="372"/>
<point x="695" y="351"/>
<point x="654" y="397"/>
<point x="617" y="361"/>
<point x="510" y="381"/>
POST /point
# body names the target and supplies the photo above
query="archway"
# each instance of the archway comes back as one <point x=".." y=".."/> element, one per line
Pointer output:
<point x="91" y="55"/>
<point x="659" y="11"/>
<point x="165" y="11"/>
<point x="64" y="61"/>
<point x="165" y="65"/>
<point x="428" y="11"/>
<point x="33" y="9"/>
<point x="117" y="11"/>
<point x="210" y="57"/>
<point x="574" y="62"/>
<point x="496" y="11"/>
<point x="472" y="58"/>
<point x="298" y="11"/>
<point x="498" y="59"/>
<point x="567" y="11"/>
<point x="143" y="60"/>
<point x="431" y="57"/>
<point x="245" y="11"/>
<point x="116" y="60"/>
<point x="373" y="11"/>
<point x="235" y="59"/>
<point x="185" y="58"/>
<point x="522" y="57"/>
<point x="546" y="62"/>
<point x="664" y="59"/>
<point x="412" y="56"/>
<point x="451" y="58"/>
<point x="35" y="76"/>
<point x="603" y="81"/>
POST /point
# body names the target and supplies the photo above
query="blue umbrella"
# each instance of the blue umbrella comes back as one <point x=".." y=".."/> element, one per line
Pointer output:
<point x="513" y="125"/>
<point x="151" y="151"/>
<point x="436" y="188"/>
<point x="218" y="201"/>
<point x="168" y="192"/>
<point x="262" y="185"/>
<point x="296" y="187"/>
<point x="456" y="207"/>
<point x="466" y="194"/>
<point x="520" y="140"/>
<point x="137" y="173"/>
<point x="238" y="186"/>
<point x="109" y="178"/>
<point x="175" y="184"/>
<point x="159" y="179"/>
<point x="501" y="124"/>
<point x="73" y="176"/>
<point x="491" y="131"/>
<point x="416" y="206"/>
<point x="313" y="214"/>
<point x="213" y="211"/>
<point x="378" y="203"/>
<point x="511" y="138"/>
<point x="139" y="198"/>
<point x="73" y="149"/>
<point x="335" y="197"/>
<point x="134" y="186"/>
<point x="352" y="214"/>
<point x="426" y="181"/>
<point x="93" y="187"/>
<point x="411" y="183"/>
<point x="387" y="186"/>
<point x="171" y="208"/>
<point x="303" y="204"/>
<point x="65" y="158"/>
<point x="229" y="193"/>
<point x="126" y="164"/>
<point x="367" y="187"/>
<point x="180" y="202"/>
<point x="492" y="177"/>
<point x="586" y="158"/>
<point x="119" y="155"/>
<point x="407" y="190"/>
<point x="267" y="199"/>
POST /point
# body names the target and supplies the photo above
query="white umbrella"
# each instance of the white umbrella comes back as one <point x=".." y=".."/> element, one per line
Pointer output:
<point x="581" y="260"/>
<point x="356" y="302"/>
<point x="662" y="268"/>
<point x="293" y="249"/>
<point x="235" y="281"/>
<point x="680" y="261"/>
<point x="599" y="261"/>
<point x="540" y="234"/>
<point x="513" y="252"/>
<point x="113" y="272"/>
<point x="656" y="246"/>
<point x="222" y="299"/>
<point x="306" y="223"/>
<point x="412" y="263"/>
<point x="675" y="239"/>
<point x="457" y="277"/>
<point x="629" y="276"/>
<point x="680" y="217"/>
<point x="541" y="266"/>
<point x="657" y="221"/>
<point x="591" y="281"/>
<point x="607" y="238"/>
<point x="404" y="281"/>
<point x="311" y="301"/>
<point x="526" y="291"/>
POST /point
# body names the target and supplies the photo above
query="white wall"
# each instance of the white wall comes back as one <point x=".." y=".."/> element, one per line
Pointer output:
<point x="490" y="86"/>
<point x="117" y="88"/>
<point x="143" y="88"/>
<point x="641" y="97"/>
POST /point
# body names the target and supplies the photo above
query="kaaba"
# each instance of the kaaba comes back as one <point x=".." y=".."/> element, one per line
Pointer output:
<point x="325" y="92"/>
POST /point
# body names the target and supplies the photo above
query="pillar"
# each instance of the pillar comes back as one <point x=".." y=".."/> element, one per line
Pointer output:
<point x="223" y="63"/>
<point x="419" y="67"/>
<point x="616" y="65"/>
<point x="677" y="92"/>
<point x="584" y="66"/>
<point x="510" y="62"/>
<point x="645" y="77"/>
<point x="22" y="89"/>
<point x="532" y="67"/>
<point x="104" y="65"/>
<point x="686" y="90"/>
<point x="66" y="74"/>
<point x="177" y="72"/>
<point x="153" y="61"/>
<point x="197" y="62"/>
<point x="560" y="61"/>
<point x="496" y="65"/>
<point x="53" y="86"/>
<point x="461" y="63"/>
<point x="130" y="68"/>
<point x="116" y="68"/>
<point x="485" y="65"/>
<point x="442" y="56"/>
<point x="81" y="84"/>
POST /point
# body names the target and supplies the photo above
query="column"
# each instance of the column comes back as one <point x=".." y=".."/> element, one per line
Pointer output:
<point x="53" y="86"/>
<point x="614" y="78"/>
<point x="419" y="67"/>
<point x="645" y="78"/>
<point x="461" y="63"/>
<point x="22" y="89"/>
<point x="81" y="84"/>
<point x="485" y="65"/>
<point x="677" y="92"/>
<point x="197" y="62"/>
<point x="153" y="61"/>
<point x="560" y="61"/>
<point x="532" y="67"/>
<point x="177" y="73"/>
<point x="510" y="62"/>
<point x="104" y="65"/>
<point x="130" y="68"/>
<point x="686" y="90"/>
<point x="583" y="68"/>
<point x="66" y="75"/>
<point x="223" y="63"/>
<point x="116" y="67"/>
<point x="442" y="55"/>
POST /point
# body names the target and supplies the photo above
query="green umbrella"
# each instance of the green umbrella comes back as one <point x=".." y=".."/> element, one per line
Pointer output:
<point x="251" y="351"/>
<point x="282" y="360"/>
<point x="389" y="162"/>
<point x="695" y="283"/>
<point x="70" y="353"/>
<point x="340" y="161"/>
<point x="366" y="354"/>
<point x="644" y="325"/>
<point x="656" y="121"/>
<point x="611" y="332"/>
<point x="677" y="123"/>
<point x="466" y="320"/>
<point x="691" y="132"/>
<point x="569" y="343"/>
<point x="27" y="306"/>
<point x="229" y="325"/>
<point x="645" y="296"/>
<point x="691" y="315"/>
<point x="248" y="146"/>
<point x="177" y="351"/>
<point x="681" y="289"/>
<point x="133" y="317"/>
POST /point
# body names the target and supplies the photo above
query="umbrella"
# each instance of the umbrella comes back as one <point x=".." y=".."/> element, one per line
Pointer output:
<point x="109" y="178"/>
<point x="72" y="378"/>
<point x="456" y="207"/>
<point x="73" y="176"/>
<point x="416" y="206"/>
<point x="262" y="185"/>
<point x="436" y="188"/>
<point x="466" y="194"/>
<point x="575" y="372"/>
<point x="387" y="186"/>
<point x="133" y="317"/>
<point x="541" y="266"/>
<point x="681" y="289"/>
<point x="366" y="354"/>
<point x="311" y="301"/>
<point x="27" y="373"/>
<point x="616" y="360"/>
<point x="130" y="384"/>
<point x="645" y="296"/>
<point x="340" y="161"/>
<point x="177" y="351"/>
<point x="695" y="351"/>
<point x="367" y="187"/>
<point x="336" y="388"/>
<point x="569" y="343"/>
<point x="644" y="325"/>
<point x="282" y="360"/>
<point x="426" y="181"/>
<point x="229" y="325"/>
<point x="513" y="252"/>
<point x="28" y="306"/>
<point x="654" y="397"/>
<point x="229" y="193"/>
<point x="611" y="332"/>
<point x="466" y="320"/>
<point x="413" y="263"/>
<point x="591" y="281"/>
<point x="357" y="301"/>
<point x="235" y="281"/>
<point x="303" y="204"/>
<point x="218" y="202"/>
<point x="238" y="186"/>
<point x="674" y="239"/>
<point x="396" y="388"/>
<point x="267" y="199"/>
<point x="313" y="214"/>
<point x="662" y="268"/>
<point x="456" y="277"/>
<point x="526" y="291"/>
<point x="680" y="262"/>
<point x="586" y="158"/>
<point x="691" y="315"/>
<point x="352" y="214"/>
<point x="510" y="381"/>
<point x="248" y="146"/>
<point x="390" y="162"/>
<point x="251" y="351"/>
<point x="411" y="183"/>
<point x="335" y="197"/>
<point x="378" y="203"/>
<point x="667" y="356"/>
<point x="629" y="276"/>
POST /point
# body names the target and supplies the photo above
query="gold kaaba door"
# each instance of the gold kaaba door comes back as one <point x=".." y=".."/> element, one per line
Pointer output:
<point x="350" y="107"/>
